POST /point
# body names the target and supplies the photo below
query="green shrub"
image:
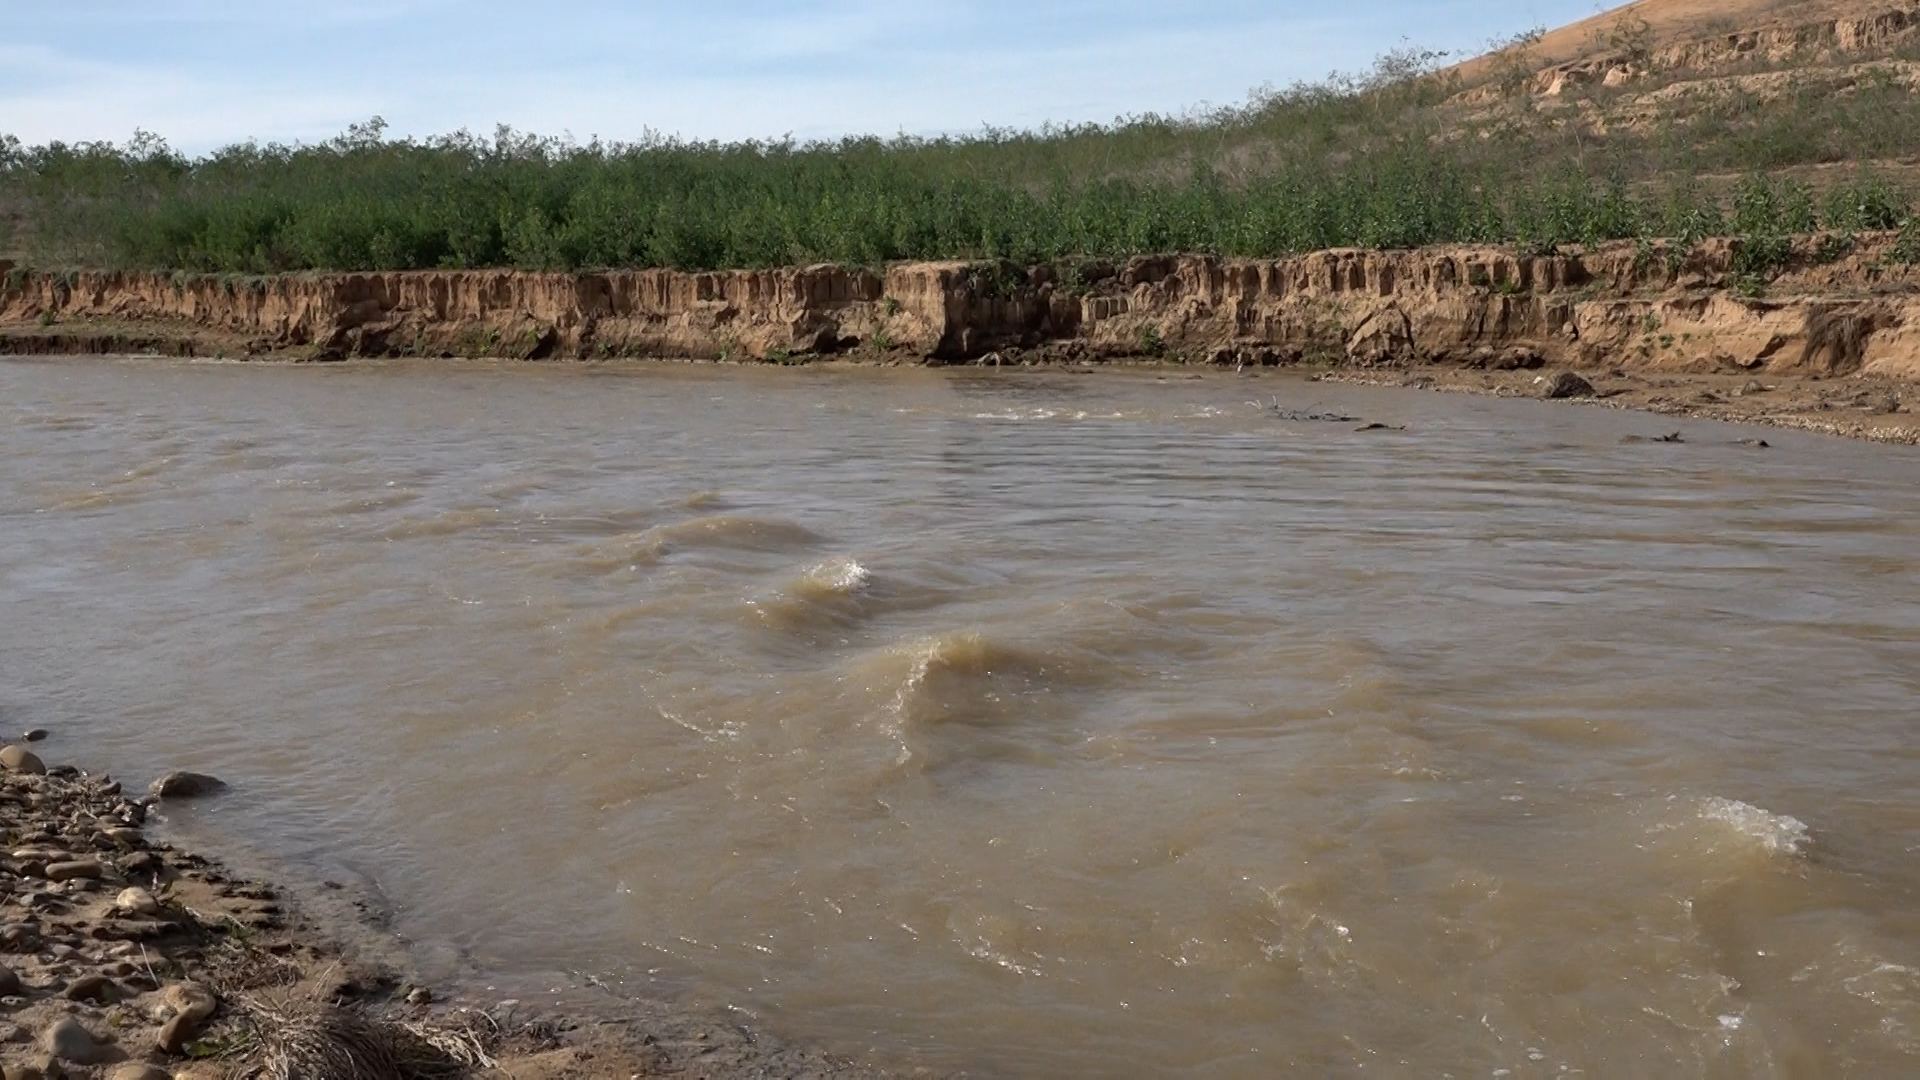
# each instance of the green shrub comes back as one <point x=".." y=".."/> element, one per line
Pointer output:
<point x="1375" y="160"/>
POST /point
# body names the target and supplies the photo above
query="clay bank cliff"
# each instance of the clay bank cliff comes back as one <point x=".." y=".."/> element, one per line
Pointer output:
<point x="1633" y="306"/>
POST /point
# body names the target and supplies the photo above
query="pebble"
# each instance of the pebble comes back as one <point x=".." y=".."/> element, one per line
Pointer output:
<point x="173" y="1035"/>
<point x="95" y="988"/>
<point x="79" y="868"/>
<point x="135" y="1070"/>
<point x="184" y="785"/>
<point x="22" y="1072"/>
<point x="9" y="982"/>
<point x="35" y="734"/>
<point x="21" y="760"/>
<point x="136" y="901"/>
<point x="189" y="999"/>
<point x="69" y="1041"/>
<point x="141" y="862"/>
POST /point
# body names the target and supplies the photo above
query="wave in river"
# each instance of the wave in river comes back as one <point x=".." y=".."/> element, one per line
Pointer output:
<point x="832" y="595"/>
<point x="1774" y="834"/>
<point x="966" y="697"/>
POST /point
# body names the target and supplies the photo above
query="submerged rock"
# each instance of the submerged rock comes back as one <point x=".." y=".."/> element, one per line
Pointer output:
<point x="185" y="785"/>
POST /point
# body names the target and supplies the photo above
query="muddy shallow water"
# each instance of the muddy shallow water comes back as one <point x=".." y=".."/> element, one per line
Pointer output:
<point x="1024" y="724"/>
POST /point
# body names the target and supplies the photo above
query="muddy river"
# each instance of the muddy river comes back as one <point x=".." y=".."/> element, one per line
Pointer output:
<point x="1022" y="724"/>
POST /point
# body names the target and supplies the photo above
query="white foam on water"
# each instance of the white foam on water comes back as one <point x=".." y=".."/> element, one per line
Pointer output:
<point x="843" y="576"/>
<point x="1777" y="834"/>
<point x="1030" y="413"/>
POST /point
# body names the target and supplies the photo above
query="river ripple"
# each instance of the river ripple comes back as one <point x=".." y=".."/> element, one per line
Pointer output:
<point x="1029" y="724"/>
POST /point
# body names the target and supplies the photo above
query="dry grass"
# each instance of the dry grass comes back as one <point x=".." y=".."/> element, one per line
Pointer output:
<point x="303" y="1039"/>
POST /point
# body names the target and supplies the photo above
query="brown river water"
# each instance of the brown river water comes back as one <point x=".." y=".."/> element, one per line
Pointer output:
<point x="1021" y="724"/>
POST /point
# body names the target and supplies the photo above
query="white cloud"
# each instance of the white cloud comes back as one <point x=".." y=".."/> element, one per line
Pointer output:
<point x="70" y="100"/>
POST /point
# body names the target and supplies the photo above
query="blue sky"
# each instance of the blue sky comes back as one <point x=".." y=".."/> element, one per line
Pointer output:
<point x="203" y="73"/>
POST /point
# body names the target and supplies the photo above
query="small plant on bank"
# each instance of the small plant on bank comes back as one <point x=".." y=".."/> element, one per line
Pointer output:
<point x="1645" y="256"/>
<point x="999" y="281"/>
<point x="1633" y="36"/>
<point x="1766" y="214"/>
<point x="1513" y="60"/>
<point x="1833" y="247"/>
<point x="1906" y="246"/>
<point x="1869" y="203"/>
<point x="1151" y="344"/>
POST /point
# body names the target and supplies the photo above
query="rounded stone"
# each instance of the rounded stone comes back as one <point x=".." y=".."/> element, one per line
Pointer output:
<point x="136" y="901"/>
<point x="69" y="1041"/>
<point x="35" y="734"/>
<point x="70" y="871"/>
<point x="1567" y="385"/>
<point x="9" y="982"/>
<point x="189" y="999"/>
<point x="95" y="988"/>
<point x="21" y="760"/>
<point x="174" y="1034"/>
<point x="137" y="1070"/>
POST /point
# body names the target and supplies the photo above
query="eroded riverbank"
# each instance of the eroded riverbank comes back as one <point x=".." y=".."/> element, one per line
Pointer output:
<point x="1676" y="330"/>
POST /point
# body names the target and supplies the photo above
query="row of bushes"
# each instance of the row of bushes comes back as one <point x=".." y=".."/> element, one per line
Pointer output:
<point x="1379" y="161"/>
<point x="407" y="215"/>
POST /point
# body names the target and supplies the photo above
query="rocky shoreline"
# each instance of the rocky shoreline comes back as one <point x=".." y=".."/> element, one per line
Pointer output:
<point x="1855" y="407"/>
<point x="125" y="957"/>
